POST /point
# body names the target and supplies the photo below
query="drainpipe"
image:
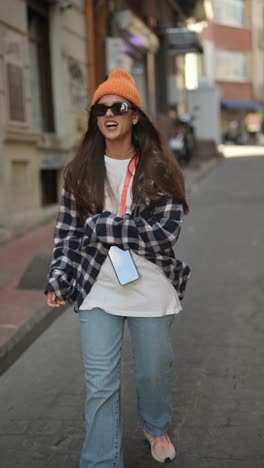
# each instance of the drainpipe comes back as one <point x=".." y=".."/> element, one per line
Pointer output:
<point x="151" y="85"/>
<point x="90" y="47"/>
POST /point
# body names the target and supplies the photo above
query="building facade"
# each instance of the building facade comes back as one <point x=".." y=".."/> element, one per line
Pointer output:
<point x="53" y="55"/>
<point x="233" y="56"/>
<point x="121" y="34"/>
<point x="43" y="100"/>
<point x="258" y="49"/>
<point x="141" y="36"/>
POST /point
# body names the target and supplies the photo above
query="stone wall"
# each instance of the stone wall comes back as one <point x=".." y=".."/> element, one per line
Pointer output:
<point x="28" y="155"/>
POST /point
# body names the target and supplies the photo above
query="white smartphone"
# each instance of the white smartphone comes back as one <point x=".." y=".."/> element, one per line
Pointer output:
<point x="123" y="264"/>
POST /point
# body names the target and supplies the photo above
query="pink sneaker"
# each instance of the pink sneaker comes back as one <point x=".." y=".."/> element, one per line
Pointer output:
<point x="161" y="447"/>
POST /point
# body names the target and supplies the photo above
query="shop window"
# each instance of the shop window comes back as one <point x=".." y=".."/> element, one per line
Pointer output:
<point x="40" y="67"/>
<point x="49" y="186"/>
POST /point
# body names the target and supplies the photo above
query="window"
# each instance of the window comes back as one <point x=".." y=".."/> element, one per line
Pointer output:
<point x="39" y="51"/>
<point x="230" y="66"/>
<point x="49" y="186"/>
<point x="230" y="12"/>
<point x="14" y="62"/>
<point x="15" y="82"/>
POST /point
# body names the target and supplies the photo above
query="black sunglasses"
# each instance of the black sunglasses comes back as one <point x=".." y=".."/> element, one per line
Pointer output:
<point x="118" y="108"/>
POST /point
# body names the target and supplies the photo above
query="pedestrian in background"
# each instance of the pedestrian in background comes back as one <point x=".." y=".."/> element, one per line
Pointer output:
<point x="122" y="206"/>
<point x="253" y="126"/>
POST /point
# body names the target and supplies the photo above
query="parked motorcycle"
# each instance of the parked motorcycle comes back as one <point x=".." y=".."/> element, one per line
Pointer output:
<point x="182" y="141"/>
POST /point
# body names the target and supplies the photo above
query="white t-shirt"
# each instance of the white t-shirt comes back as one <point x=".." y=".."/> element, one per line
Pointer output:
<point x="152" y="295"/>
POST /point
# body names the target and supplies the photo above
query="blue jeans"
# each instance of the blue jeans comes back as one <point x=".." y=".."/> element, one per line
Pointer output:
<point x="101" y="340"/>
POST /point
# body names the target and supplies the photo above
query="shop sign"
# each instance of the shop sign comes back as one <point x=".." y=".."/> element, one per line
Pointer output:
<point x="183" y="41"/>
<point x="51" y="160"/>
<point x="141" y="35"/>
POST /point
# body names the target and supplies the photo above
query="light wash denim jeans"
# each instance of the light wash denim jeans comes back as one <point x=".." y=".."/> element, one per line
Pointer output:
<point x="101" y="340"/>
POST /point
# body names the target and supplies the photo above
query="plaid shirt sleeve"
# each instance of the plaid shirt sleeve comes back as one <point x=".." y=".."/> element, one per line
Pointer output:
<point x="67" y="240"/>
<point x="143" y="235"/>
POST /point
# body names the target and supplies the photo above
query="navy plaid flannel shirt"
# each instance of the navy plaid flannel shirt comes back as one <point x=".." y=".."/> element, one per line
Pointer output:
<point x="80" y="250"/>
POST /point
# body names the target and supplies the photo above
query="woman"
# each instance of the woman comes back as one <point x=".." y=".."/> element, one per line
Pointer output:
<point x="122" y="189"/>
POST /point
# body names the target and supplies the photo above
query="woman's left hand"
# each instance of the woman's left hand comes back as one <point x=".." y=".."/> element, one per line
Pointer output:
<point x="53" y="300"/>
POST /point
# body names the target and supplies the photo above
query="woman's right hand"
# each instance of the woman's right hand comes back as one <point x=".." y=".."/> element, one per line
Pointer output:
<point x="53" y="300"/>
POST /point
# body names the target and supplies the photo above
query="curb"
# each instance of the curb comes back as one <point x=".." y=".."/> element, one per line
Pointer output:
<point x="200" y="173"/>
<point x="26" y="334"/>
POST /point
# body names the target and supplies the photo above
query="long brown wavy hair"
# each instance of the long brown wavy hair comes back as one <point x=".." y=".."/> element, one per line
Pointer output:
<point x="158" y="175"/>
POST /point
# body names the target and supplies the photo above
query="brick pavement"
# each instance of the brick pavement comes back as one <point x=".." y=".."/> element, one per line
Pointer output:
<point x="20" y="307"/>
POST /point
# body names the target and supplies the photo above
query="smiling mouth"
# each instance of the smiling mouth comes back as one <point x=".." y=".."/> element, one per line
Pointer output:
<point x="111" y="125"/>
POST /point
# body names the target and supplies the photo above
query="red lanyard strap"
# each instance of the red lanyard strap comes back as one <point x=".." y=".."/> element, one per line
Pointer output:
<point x="129" y="175"/>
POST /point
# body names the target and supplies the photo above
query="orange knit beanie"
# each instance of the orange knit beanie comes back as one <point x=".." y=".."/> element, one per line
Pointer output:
<point x="119" y="82"/>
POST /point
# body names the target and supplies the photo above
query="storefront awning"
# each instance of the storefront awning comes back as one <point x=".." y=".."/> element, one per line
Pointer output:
<point x="240" y="104"/>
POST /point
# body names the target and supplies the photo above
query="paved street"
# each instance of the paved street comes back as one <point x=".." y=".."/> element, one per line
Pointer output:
<point x="218" y="378"/>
